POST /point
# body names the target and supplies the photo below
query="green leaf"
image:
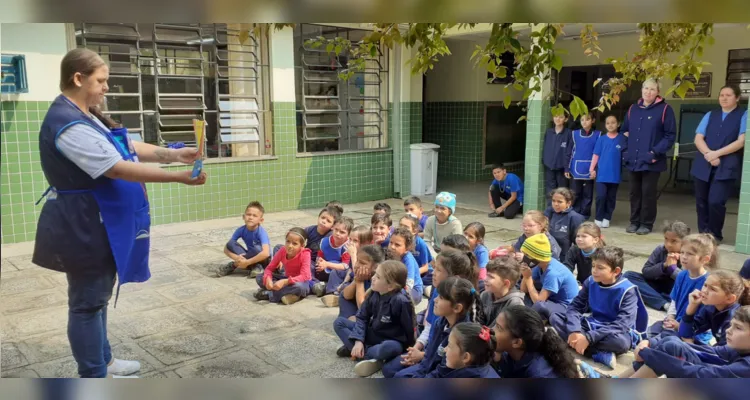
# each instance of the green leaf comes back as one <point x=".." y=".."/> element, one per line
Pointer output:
<point x="556" y="62"/>
<point x="574" y="111"/>
<point x="515" y="43"/>
<point x="523" y="118"/>
<point x="582" y="107"/>
<point x="518" y="86"/>
<point x="329" y="47"/>
<point x="506" y="101"/>
<point x="596" y="82"/>
<point x="373" y="51"/>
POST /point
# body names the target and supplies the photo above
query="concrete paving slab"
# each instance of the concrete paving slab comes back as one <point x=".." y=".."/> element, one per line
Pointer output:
<point x="239" y="364"/>
<point x="11" y="356"/>
<point x="175" y="347"/>
<point x="138" y="325"/>
<point x="35" y="300"/>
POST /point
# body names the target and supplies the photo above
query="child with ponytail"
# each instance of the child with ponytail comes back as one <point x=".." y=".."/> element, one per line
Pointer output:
<point x="470" y="349"/>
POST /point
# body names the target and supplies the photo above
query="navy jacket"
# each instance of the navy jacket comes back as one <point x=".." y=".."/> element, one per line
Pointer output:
<point x="654" y="271"/>
<point x="385" y="317"/>
<point x="575" y="259"/>
<point x="708" y="318"/>
<point x="435" y="350"/>
<point x="474" y="371"/>
<point x="720" y="133"/>
<point x="555" y="146"/>
<point x="652" y="131"/>
<point x="563" y="227"/>
<point x="531" y="365"/>
<point x="718" y="362"/>
<point x="745" y="271"/>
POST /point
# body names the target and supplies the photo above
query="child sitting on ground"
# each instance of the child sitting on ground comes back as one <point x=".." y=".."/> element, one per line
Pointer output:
<point x="557" y="286"/>
<point x="381" y="229"/>
<point x="711" y="308"/>
<point x="698" y="255"/>
<point x="360" y="236"/>
<point x="450" y="262"/>
<point x="337" y="205"/>
<point x="468" y="353"/>
<point x="505" y="194"/>
<point x="353" y="293"/>
<point x="474" y="233"/>
<point x="617" y="313"/>
<point x="563" y="220"/>
<point x="526" y="350"/>
<point x="413" y="206"/>
<point x="402" y="242"/>
<point x="316" y="233"/>
<point x="676" y="359"/>
<point x="421" y="252"/>
<point x="534" y="223"/>
<point x="383" y="209"/>
<point x="662" y="267"/>
<point x="295" y="259"/>
<point x="443" y="223"/>
<point x="258" y="251"/>
<point x="578" y="260"/>
<point x="457" y="299"/>
<point x="385" y="324"/>
<point x="333" y="259"/>
<point x="501" y="292"/>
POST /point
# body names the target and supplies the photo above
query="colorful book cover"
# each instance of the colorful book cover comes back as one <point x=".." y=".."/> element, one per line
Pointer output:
<point x="199" y="127"/>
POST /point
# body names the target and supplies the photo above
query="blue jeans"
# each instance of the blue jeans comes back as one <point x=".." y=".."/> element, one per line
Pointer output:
<point x="383" y="351"/>
<point x="88" y="297"/>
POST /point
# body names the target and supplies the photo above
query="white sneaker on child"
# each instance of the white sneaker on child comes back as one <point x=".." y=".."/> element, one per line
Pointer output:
<point x="598" y="223"/>
<point x="367" y="367"/>
<point x="123" y="367"/>
<point x="605" y="223"/>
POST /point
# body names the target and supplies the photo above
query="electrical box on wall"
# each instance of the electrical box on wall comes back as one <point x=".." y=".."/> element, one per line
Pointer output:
<point x="13" y="74"/>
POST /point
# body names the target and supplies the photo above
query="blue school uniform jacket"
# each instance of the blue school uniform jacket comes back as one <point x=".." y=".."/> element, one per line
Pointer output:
<point x="474" y="371"/>
<point x="313" y="241"/>
<point x="722" y="130"/>
<point x="652" y="132"/>
<point x="555" y="148"/>
<point x="653" y="269"/>
<point x="434" y="353"/>
<point x="563" y="227"/>
<point x="581" y="153"/>
<point x="421" y="252"/>
<point x="708" y="319"/>
<point x="413" y="278"/>
<point x="717" y="362"/>
<point x="385" y="317"/>
<point x="531" y="365"/>
<point x="617" y="308"/>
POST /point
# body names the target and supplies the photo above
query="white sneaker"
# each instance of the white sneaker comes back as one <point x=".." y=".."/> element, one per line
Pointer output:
<point x="605" y="223"/>
<point x="367" y="367"/>
<point x="123" y="367"/>
<point x="598" y="223"/>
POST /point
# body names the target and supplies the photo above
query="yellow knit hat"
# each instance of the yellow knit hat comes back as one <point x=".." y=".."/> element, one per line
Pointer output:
<point x="537" y="247"/>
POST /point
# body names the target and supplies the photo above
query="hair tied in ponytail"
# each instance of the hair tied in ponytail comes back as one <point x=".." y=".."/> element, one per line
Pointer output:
<point x="484" y="334"/>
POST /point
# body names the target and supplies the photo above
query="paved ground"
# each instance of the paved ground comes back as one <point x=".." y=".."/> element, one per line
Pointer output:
<point x="183" y="323"/>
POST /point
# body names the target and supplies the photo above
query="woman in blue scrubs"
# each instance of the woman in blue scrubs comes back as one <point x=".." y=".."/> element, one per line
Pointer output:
<point x="720" y="138"/>
<point x="95" y="224"/>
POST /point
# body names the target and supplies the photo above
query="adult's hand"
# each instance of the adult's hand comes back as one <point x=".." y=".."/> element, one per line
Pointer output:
<point x="715" y="162"/>
<point x="186" y="155"/>
<point x="186" y="177"/>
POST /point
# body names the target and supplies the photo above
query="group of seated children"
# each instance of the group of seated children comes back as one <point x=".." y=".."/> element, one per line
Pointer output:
<point x="521" y="313"/>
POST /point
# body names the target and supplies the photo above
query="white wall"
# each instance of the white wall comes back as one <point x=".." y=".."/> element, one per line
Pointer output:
<point x="44" y="46"/>
<point x="454" y="77"/>
<point x="282" y="64"/>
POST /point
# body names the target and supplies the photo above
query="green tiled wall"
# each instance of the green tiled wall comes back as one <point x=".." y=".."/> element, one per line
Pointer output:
<point x="457" y="128"/>
<point x="742" y="243"/>
<point x="537" y="121"/>
<point x="290" y="182"/>
<point x="414" y="109"/>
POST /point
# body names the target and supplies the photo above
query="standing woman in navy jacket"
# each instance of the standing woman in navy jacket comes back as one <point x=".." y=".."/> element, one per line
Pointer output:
<point x="650" y="130"/>
<point x="720" y="138"/>
<point x="95" y="224"/>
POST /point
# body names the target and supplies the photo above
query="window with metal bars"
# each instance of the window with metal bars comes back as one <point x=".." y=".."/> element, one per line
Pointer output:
<point x="738" y="71"/>
<point x="335" y="114"/>
<point x="163" y="76"/>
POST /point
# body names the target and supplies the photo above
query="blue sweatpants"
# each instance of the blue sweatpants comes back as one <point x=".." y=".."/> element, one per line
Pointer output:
<point x="584" y="196"/>
<point x="618" y="343"/>
<point x="606" y="200"/>
<point x="654" y="293"/>
<point x="383" y="351"/>
<point x="675" y="347"/>
<point x="711" y="204"/>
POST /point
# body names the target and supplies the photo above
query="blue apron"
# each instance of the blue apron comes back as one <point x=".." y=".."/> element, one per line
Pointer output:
<point x="583" y="153"/>
<point x="124" y="211"/>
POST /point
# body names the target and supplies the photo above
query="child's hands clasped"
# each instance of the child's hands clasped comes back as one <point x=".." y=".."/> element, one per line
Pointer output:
<point x="670" y="323"/>
<point x="280" y="284"/>
<point x="412" y="356"/>
<point x="525" y="271"/>
<point x="358" y="351"/>
<point x="642" y="345"/>
<point x="578" y="342"/>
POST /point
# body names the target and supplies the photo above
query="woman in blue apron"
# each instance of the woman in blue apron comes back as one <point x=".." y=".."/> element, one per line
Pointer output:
<point x="650" y="128"/>
<point x="719" y="138"/>
<point x="95" y="223"/>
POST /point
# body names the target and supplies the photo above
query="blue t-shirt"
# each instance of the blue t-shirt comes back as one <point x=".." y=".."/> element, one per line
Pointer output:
<point x="422" y="253"/>
<point x="422" y="222"/>
<point x="483" y="255"/>
<point x="254" y="240"/>
<point x="413" y="279"/>
<point x="558" y="280"/>
<point x="701" y="130"/>
<point x="609" y="151"/>
<point x="683" y="286"/>
<point x="511" y="183"/>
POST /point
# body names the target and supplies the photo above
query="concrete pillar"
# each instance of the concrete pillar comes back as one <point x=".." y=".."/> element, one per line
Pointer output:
<point x="743" y="215"/>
